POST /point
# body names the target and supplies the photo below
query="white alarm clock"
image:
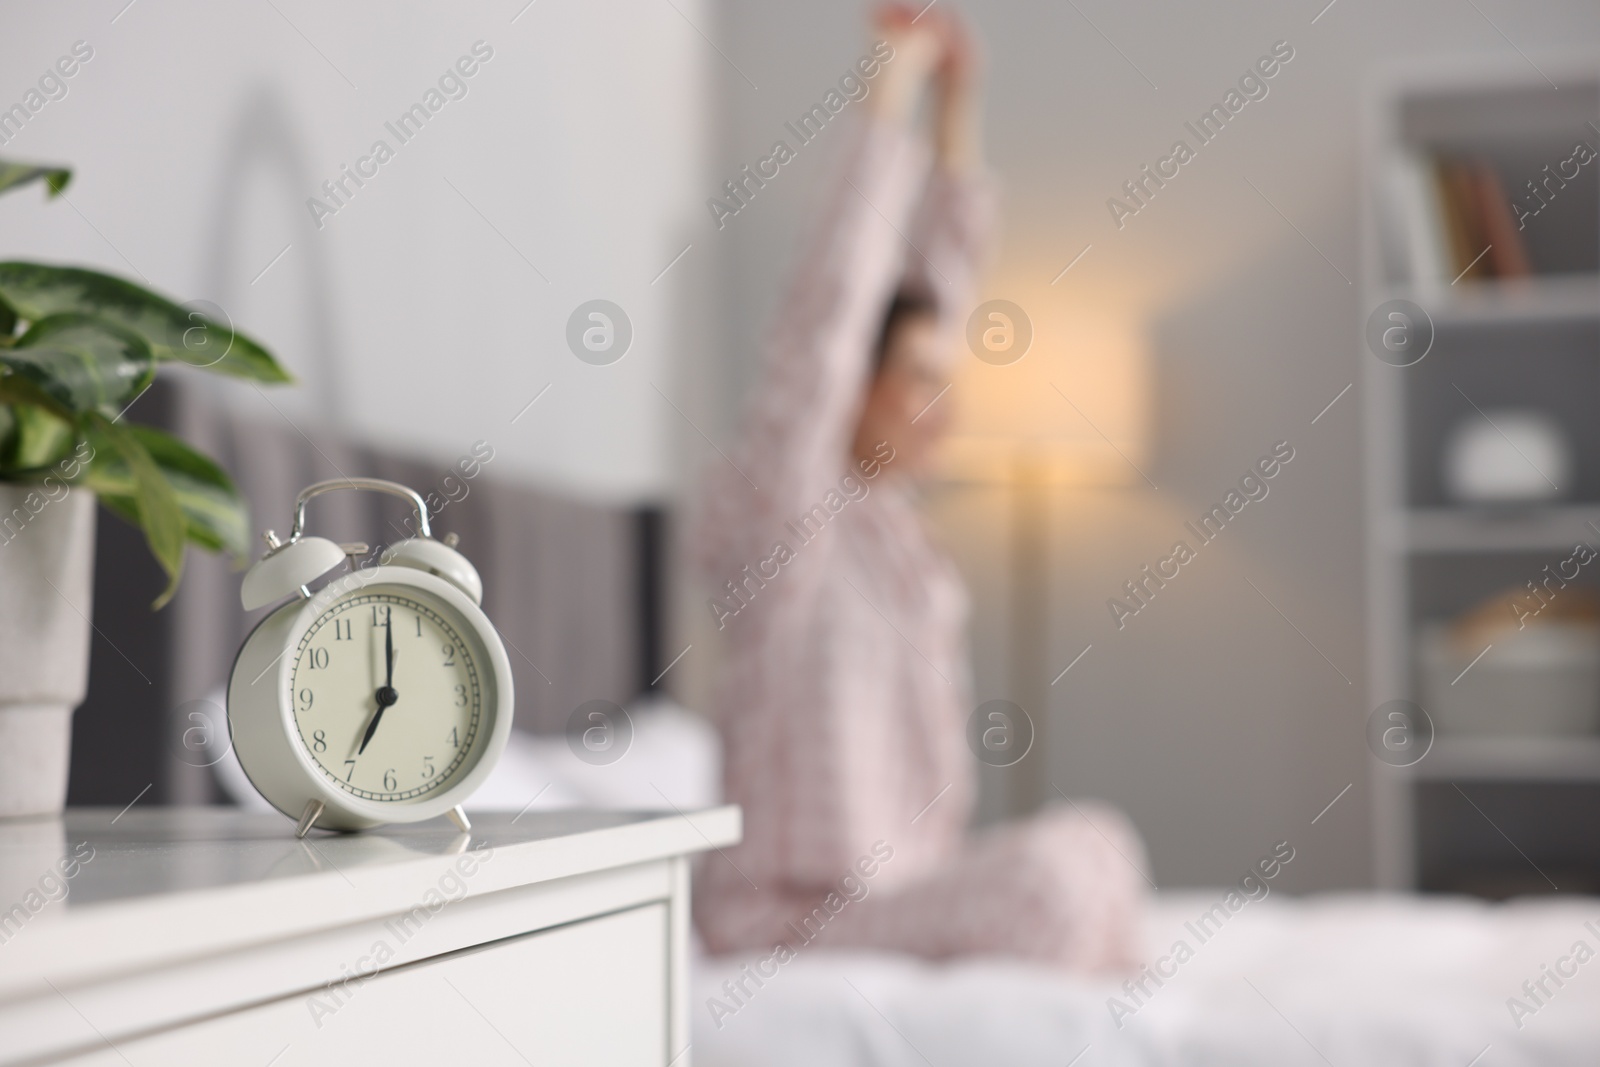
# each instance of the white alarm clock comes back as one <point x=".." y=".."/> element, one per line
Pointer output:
<point x="383" y="697"/>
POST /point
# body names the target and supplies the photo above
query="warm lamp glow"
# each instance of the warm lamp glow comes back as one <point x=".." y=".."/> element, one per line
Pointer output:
<point x="1073" y="411"/>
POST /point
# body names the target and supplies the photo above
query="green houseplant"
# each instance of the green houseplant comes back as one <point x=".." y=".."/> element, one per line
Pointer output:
<point x="77" y="348"/>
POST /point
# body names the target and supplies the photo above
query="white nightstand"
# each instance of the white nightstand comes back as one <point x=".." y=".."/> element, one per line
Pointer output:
<point x="206" y="936"/>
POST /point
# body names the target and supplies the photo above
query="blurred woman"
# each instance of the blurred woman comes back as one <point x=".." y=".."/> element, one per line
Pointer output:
<point x="845" y="702"/>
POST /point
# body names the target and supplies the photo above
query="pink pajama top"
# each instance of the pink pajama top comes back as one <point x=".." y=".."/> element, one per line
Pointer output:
<point x="844" y="703"/>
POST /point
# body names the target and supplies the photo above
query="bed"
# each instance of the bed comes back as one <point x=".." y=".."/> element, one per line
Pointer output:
<point x="1369" y="980"/>
<point x="1364" y="980"/>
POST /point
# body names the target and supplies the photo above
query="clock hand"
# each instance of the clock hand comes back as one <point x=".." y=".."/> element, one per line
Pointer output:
<point x="386" y="696"/>
<point x="388" y="648"/>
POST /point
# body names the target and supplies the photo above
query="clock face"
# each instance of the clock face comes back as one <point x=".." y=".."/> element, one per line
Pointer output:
<point x="388" y="694"/>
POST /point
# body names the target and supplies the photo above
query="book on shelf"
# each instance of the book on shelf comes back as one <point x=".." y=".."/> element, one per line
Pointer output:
<point x="1455" y="221"/>
<point x="1508" y="252"/>
<point x="1420" y="253"/>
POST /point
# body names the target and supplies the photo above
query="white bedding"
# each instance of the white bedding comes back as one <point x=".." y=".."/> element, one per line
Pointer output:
<point x="1357" y="980"/>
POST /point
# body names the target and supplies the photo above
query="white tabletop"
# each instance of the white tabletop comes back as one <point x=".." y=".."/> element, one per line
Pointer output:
<point x="162" y="883"/>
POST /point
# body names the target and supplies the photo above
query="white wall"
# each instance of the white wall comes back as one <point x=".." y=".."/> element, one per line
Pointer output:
<point x="199" y="130"/>
<point x="1216" y="725"/>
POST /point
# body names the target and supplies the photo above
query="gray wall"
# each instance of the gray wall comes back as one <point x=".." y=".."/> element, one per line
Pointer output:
<point x="1216" y="724"/>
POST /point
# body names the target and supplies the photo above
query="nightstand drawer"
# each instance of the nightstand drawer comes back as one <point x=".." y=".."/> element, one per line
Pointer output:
<point x="593" y="992"/>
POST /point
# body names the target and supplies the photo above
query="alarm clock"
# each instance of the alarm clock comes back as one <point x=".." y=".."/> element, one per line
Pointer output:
<point x="383" y="697"/>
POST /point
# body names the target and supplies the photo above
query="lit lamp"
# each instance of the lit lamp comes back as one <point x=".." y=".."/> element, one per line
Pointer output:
<point x="1071" y="413"/>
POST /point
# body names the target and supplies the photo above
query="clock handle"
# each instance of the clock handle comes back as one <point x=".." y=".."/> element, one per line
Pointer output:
<point x="377" y="485"/>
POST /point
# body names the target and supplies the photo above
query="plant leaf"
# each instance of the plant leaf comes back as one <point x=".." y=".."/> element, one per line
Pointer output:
<point x="81" y="362"/>
<point x="16" y="389"/>
<point x="215" y="516"/>
<point x="32" y="441"/>
<point x="159" y="515"/>
<point x="13" y="175"/>
<point x="36" y="290"/>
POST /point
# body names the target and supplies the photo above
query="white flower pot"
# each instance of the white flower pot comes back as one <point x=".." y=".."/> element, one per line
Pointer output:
<point x="46" y="587"/>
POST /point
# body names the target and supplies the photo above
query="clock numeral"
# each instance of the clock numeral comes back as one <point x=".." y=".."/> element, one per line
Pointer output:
<point x="317" y="659"/>
<point x="389" y="780"/>
<point x="449" y="655"/>
<point x="379" y="620"/>
<point x="427" y="767"/>
<point x="461" y="696"/>
<point x="341" y="630"/>
<point x="419" y="625"/>
<point x="349" y="769"/>
<point x="453" y="742"/>
<point x="306" y="696"/>
<point x="319" y="740"/>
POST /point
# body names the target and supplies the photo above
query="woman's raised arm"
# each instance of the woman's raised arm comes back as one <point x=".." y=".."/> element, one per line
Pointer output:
<point x="795" y="442"/>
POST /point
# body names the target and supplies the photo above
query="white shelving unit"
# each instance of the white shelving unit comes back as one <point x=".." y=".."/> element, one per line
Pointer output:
<point x="1521" y="330"/>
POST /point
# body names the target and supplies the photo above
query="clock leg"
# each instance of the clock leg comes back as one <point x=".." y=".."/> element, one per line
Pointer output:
<point x="310" y="815"/>
<point x="459" y="817"/>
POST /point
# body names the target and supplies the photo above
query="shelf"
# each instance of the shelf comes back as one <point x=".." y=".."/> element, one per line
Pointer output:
<point x="1511" y="759"/>
<point x="1465" y="530"/>
<point x="1503" y="343"/>
<point x="1535" y="299"/>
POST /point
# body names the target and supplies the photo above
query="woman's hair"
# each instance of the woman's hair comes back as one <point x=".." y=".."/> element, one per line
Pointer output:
<point x="904" y="306"/>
